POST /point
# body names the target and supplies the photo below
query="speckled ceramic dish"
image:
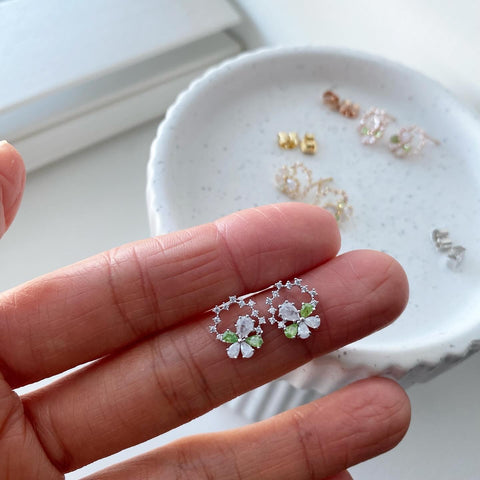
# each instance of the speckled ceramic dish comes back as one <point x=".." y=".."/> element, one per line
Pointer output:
<point x="216" y="152"/>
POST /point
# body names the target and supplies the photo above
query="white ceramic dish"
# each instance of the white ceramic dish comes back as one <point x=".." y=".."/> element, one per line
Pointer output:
<point x="224" y="127"/>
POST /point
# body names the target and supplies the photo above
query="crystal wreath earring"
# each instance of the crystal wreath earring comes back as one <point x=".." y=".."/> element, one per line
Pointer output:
<point x="373" y="124"/>
<point x="410" y="141"/>
<point x="293" y="321"/>
<point x="247" y="336"/>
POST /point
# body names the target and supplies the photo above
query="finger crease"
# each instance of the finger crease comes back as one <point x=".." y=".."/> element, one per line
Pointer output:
<point x="231" y="257"/>
<point x="110" y="262"/>
<point x="298" y="422"/>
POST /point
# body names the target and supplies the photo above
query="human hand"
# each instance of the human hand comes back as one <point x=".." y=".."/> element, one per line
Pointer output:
<point x="139" y="312"/>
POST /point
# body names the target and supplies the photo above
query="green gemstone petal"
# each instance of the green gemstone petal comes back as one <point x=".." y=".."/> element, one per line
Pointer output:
<point x="255" y="341"/>
<point x="291" y="330"/>
<point x="306" y="310"/>
<point x="364" y="130"/>
<point x="229" y="337"/>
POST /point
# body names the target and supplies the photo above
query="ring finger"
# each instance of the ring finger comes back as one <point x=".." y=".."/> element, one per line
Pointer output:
<point x="315" y="441"/>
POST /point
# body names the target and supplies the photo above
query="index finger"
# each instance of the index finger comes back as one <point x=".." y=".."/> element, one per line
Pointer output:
<point x="104" y="303"/>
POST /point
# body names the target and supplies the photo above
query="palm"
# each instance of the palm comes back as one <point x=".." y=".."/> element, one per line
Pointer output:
<point x="138" y="312"/>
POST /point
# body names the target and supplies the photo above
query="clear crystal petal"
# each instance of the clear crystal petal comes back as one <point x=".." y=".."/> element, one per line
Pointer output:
<point x="244" y="326"/>
<point x="233" y="350"/>
<point x="313" y="322"/>
<point x="247" y="350"/>
<point x="303" y="330"/>
<point x="288" y="312"/>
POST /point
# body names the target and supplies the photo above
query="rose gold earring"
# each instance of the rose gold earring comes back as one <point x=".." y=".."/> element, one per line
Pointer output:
<point x="345" y="107"/>
<point x="410" y="141"/>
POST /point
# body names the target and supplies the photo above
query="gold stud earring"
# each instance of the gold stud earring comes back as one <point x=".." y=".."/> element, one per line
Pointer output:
<point x="287" y="141"/>
<point x="308" y="145"/>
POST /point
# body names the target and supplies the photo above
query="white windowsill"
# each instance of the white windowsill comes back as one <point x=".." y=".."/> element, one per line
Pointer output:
<point x="80" y="76"/>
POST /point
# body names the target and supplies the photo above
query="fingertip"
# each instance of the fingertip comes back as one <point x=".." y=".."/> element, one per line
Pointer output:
<point x="395" y="281"/>
<point x="399" y="283"/>
<point x="12" y="183"/>
<point x="306" y="222"/>
<point x="11" y="160"/>
<point x="384" y="275"/>
<point x="314" y="221"/>
<point x="391" y="405"/>
<point x="340" y="476"/>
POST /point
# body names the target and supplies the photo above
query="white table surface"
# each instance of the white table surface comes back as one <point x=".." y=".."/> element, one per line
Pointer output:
<point x="94" y="200"/>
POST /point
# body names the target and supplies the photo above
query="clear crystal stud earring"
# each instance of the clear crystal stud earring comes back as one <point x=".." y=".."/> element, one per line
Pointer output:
<point x="247" y="336"/>
<point x="294" y="321"/>
<point x="373" y="124"/>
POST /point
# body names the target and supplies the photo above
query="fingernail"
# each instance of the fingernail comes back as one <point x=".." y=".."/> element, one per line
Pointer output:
<point x="2" y="142"/>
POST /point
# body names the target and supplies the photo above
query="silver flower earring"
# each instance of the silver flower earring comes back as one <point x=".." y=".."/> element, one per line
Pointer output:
<point x="247" y="335"/>
<point x="293" y="321"/>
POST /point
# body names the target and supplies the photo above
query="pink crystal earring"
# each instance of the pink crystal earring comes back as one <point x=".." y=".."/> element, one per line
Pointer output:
<point x="247" y="335"/>
<point x="373" y="124"/>
<point x="410" y="141"/>
<point x="293" y="321"/>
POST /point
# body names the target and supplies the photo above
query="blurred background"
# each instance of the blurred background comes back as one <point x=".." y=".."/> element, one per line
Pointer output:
<point x="84" y="85"/>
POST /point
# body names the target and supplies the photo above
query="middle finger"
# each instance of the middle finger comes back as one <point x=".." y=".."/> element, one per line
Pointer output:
<point x="182" y="373"/>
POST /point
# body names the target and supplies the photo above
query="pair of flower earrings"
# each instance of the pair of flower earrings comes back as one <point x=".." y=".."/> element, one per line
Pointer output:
<point x="409" y="140"/>
<point x="295" y="322"/>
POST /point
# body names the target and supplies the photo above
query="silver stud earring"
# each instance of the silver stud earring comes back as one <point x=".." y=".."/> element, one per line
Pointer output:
<point x="455" y="253"/>
<point x="441" y="239"/>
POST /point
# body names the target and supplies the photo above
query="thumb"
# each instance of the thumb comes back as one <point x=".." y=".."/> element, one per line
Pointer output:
<point x="12" y="183"/>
